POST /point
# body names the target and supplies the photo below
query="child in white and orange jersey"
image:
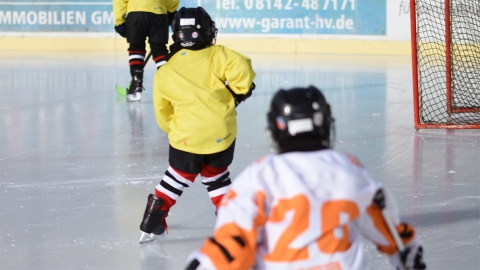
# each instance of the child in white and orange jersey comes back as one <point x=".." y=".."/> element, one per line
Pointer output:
<point x="307" y="207"/>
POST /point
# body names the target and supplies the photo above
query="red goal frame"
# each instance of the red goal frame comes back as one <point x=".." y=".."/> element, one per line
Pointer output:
<point x="449" y="97"/>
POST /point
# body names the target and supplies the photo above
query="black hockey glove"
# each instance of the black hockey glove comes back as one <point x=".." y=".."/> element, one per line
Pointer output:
<point x="171" y="17"/>
<point x="412" y="256"/>
<point x="120" y="29"/>
<point x="413" y="261"/>
<point x="193" y="265"/>
<point x="241" y="98"/>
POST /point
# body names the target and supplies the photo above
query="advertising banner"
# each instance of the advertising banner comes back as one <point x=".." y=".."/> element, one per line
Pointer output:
<point x="312" y="17"/>
<point x="56" y="16"/>
<point x="332" y="17"/>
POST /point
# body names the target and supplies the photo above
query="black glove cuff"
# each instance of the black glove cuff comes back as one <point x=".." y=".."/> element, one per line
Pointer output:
<point x="120" y="29"/>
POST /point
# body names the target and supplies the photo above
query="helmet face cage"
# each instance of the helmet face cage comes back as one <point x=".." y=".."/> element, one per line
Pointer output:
<point x="192" y="25"/>
<point x="300" y="113"/>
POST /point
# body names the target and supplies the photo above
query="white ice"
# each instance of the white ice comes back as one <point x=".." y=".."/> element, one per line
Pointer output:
<point x="77" y="162"/>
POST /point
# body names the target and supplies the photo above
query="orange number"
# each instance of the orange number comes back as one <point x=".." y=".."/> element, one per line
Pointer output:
<point x="334" y="237"/>
<point x="282" y="251"/>
<point x="335" y="233"/>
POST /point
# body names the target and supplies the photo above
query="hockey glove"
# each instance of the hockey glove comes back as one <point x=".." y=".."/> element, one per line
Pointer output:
<point x="171" y="17"/>
<point x="193" y="265"/>
<point x="241" y="98"/>
<point x="413" y="260"/>
<point x="412" y="256"/>
<point x="120" y="29"/>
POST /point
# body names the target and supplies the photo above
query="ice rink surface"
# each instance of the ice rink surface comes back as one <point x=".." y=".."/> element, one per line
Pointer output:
<point x="77" y="162"/>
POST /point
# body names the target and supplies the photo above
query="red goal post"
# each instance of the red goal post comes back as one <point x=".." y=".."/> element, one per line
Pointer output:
<point x="446" y="63"/>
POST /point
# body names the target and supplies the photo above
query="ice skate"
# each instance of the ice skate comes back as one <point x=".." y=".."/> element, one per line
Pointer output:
<point x="135" y="89"/>
<point x="134" y="97"/>
<point x="147" y="237"/>
<point x="153" y="223"/>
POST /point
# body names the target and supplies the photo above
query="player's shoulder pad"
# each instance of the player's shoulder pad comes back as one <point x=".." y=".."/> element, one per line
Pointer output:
<point x="259" y="160"/>
<point x="227" y="51"/>
<point x="258" y="164"/>
<point x="352" y="160"/>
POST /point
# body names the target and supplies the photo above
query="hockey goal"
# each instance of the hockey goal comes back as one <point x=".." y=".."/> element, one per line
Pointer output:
<point x="446" y="63"/>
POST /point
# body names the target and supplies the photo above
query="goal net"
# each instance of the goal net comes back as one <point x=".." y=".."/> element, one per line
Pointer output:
<point x="446" y="63"/>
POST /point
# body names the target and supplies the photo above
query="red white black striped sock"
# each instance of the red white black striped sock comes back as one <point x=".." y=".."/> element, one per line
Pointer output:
<point x="160" y="60"/>
<point x="171" y="186"/>
<point x="136" y="60"/>
<point x="217" y="181"/>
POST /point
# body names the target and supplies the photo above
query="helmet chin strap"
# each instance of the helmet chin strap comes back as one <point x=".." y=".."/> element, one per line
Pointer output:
<point x="332" y="137"/>
<point x="273" y="144"/>
<point x="214" y="38"/>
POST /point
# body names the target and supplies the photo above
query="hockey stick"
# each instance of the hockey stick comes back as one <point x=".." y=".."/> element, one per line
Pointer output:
<point x="379" y="201"/>
<point x="123" y="91"/>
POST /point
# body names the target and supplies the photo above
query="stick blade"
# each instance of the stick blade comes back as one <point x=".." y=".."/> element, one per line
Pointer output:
<point x="120" y="90"/>
<point x="147" y="237"/>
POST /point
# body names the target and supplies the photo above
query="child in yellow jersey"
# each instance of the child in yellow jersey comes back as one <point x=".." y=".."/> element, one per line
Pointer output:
<point x="136" y="20"/>
<point x="194" y="96"/>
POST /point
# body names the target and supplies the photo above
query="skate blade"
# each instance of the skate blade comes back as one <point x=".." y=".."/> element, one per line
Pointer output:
<point x="134" y="97"/>
<point x="147" y="237"/>
<point x="120" y="90"/>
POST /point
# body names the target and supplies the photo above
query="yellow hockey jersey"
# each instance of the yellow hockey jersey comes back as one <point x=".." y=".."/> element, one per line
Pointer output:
<point x="192" y="103"/>
<point x="122" y="7"/>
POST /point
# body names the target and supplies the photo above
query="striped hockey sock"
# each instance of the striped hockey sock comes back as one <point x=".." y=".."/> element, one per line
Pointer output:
<point x="136" y="60"/>
<point x="160" y="60"/>
<point x="217" y="181"/>
<point x="171" y="186"/>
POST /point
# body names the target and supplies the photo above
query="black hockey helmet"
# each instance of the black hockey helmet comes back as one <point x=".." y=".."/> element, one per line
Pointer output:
<point x="192" y="26"/>
<point x="300" y="116"/>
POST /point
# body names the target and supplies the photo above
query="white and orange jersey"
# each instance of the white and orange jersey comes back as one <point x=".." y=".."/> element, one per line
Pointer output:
<point x="299" y="210"/>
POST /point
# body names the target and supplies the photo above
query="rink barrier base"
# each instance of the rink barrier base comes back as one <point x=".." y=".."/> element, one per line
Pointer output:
<point x="271" y="45"/>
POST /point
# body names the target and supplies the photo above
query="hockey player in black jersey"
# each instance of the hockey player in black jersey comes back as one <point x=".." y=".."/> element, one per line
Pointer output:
<point x="136" y="20"/>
